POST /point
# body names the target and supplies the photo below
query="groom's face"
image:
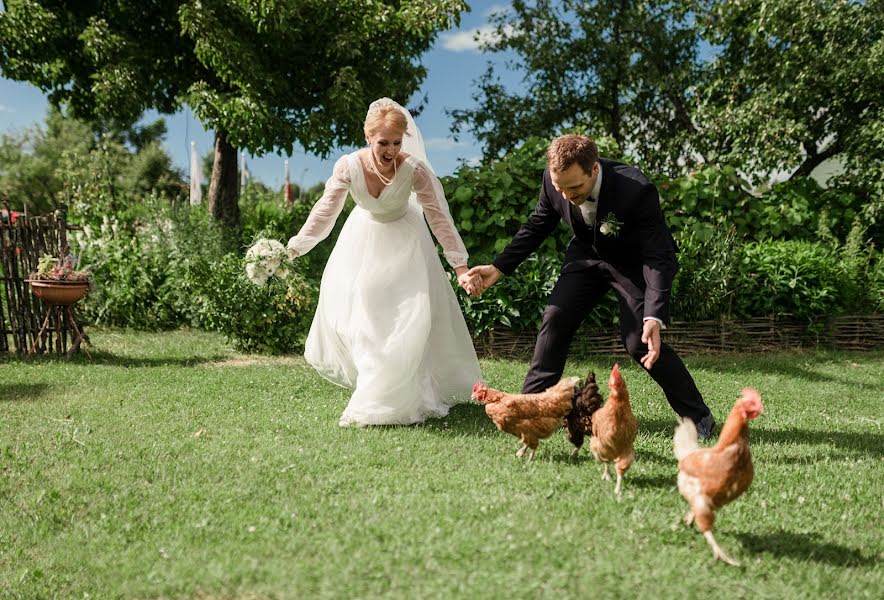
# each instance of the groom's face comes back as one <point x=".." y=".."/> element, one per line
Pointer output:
<point x="574" y="183"/>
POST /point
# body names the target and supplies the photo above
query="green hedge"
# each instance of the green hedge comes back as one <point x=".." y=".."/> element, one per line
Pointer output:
<point x="795" y="251"/>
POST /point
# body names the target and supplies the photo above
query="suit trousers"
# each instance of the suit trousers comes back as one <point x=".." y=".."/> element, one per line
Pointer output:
<point x="576" y="293"/>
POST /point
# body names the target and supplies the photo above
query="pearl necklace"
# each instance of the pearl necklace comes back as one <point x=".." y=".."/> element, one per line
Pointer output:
<point x="385" y="180"/>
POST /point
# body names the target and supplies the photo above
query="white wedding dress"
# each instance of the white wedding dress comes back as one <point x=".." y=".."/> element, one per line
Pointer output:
<point x="388" y="324"/>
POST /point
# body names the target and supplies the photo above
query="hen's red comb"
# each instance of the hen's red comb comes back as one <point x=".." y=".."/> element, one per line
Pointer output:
<point x="478" y="386"/>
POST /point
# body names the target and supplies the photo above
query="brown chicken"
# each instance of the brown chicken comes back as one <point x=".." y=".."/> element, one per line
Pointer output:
<point x="613" y="430"/>
<point x="579" y="421"/>
<point x="709" y="478"/>
<point x="530" y="417"/>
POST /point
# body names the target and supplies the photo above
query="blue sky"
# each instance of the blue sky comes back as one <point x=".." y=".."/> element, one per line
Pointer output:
<point x="453" y="64"/>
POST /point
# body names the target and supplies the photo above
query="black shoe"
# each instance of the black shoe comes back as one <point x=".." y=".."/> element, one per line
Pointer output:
<point x="706" y="427"/>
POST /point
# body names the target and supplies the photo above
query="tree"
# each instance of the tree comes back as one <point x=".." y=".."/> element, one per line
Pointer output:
<point x="33" y="162"/>
<point x="796" y="82"/>
<point x="30" y="161"/>
<point x="622" y="67"/>
<point x="263" y="75"/>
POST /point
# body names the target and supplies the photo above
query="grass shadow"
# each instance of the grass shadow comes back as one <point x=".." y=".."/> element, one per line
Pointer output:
<point x="866" y="443"/>
<point x="19" y="392"/>
<point x="463" y="419"/>
<point x="805" y="546"/>
<point x="658" y="426"/>
<point x="785" y="365"/>
<point x="99" y="357"/>
<point x="658" y="481"/>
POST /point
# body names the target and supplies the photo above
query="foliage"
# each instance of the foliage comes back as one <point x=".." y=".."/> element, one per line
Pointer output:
<point x="286" y="71"/>
<point x="51" y="268"/>
<point x="140" y="267"/>
<point x="489" y="202"/>
<point x="44" y="167"/>
<point x="31" y="175"/>
<point x="272" y="319"/>
<point x="261" y="75"/>
<point x="713" y="197"/>
<point x="793" y="83"/>
<point x="705" y="285"/>
<point x="625" y="68"/>
<point x="789" y="279"/>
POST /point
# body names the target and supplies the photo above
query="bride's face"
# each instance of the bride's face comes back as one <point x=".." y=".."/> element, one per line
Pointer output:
<point x="385" y="145"/>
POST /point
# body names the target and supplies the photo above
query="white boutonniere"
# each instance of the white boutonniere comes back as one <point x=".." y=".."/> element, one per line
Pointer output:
<point x="610" y="225"/>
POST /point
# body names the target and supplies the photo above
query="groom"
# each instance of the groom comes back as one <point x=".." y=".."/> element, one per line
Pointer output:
<point x="620" y="242"/>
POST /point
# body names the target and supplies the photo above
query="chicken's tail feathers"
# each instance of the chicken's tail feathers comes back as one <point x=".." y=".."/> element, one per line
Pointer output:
<point x="685" y="440"/>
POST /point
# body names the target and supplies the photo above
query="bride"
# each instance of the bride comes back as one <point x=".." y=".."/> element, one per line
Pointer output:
<point x="388" y="325"/>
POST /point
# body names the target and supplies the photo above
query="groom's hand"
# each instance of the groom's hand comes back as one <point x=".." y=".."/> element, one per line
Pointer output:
<point x="488" y="276"/>
<point x="651" y="337"/>
<point x="468" y="283"/>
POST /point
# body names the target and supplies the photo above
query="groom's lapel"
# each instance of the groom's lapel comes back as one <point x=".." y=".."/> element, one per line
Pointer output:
<point x="606" y="199"/>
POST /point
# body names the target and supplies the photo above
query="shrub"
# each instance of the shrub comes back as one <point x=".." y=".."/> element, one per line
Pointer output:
<point x="704" y="285"/>
<point x="796" y="279"/>
<point x="273" y="319"/>
<point x="137" y="268"/>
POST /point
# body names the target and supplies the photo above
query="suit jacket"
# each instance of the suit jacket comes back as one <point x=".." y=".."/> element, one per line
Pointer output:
<point x="642" y="250"/>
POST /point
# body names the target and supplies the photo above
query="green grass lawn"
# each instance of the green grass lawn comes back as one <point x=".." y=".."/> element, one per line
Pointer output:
<point x="171" y="467"/>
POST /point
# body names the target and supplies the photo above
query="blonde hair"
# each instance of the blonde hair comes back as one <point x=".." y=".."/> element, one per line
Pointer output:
<point x="385" y="115"/>
<point x="566" y="150"/>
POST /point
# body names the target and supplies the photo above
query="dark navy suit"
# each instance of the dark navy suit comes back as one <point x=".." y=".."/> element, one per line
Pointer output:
<point x="638" y="263"/>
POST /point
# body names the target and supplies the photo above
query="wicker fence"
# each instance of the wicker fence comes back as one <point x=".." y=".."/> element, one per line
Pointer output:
<point x="23" y="240"/>
<point x="850" y="332"/>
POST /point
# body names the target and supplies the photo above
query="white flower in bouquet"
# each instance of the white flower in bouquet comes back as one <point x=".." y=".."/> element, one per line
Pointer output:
<point x="266" y="259"/>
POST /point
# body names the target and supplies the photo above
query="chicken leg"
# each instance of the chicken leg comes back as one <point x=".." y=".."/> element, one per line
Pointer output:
<point x="717" y="552"/>
<point x="605" y="476"/>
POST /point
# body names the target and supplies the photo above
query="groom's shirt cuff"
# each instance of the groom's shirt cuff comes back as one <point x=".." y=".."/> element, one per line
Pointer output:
<point x="662" y="324"/>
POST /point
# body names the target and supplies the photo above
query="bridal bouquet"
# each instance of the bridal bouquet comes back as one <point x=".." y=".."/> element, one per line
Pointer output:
<point x="266" y="259"/>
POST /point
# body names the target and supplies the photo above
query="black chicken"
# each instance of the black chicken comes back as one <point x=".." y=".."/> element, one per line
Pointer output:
<point x="579" y="421"/>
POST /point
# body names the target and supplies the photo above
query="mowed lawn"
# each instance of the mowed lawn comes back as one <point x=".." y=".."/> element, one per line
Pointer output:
<point x="170" y="466"/>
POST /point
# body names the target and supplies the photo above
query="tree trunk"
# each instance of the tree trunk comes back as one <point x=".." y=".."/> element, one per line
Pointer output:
<point x="223" y="190"/>
<point x="814" y="158"/>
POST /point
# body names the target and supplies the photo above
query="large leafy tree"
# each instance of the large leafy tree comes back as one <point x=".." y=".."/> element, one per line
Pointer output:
<point x="34" y="162"/>
<point x="263" y="75"/>
<point x="619" y="67"/>
<point x="794" y="83"/>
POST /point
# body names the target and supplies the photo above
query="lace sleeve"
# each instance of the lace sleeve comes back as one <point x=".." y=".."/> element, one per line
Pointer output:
<point x="432" y="199"/>
<point x="325" y="212"/>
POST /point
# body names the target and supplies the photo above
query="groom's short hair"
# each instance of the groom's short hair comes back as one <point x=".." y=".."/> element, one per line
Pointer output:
<point x="566" y="150"/>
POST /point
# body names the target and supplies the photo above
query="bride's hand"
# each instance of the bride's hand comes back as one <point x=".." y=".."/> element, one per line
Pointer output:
<point x="468" y="283"/>
<point x="290" y="251"/>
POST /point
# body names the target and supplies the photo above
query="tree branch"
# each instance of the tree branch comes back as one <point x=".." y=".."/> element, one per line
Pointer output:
<point x="814" y="158"/>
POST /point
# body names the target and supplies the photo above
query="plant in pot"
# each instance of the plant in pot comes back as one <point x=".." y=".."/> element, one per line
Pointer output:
<point x="56" y="280"/>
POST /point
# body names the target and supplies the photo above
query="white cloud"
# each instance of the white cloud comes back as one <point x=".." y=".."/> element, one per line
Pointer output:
<point x="470" y="40"/>
<point x="4" y="108"/>
<point x="443" y="144"/>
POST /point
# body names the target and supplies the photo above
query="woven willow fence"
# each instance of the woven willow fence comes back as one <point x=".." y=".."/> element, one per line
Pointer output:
<point x="22" y="243"/>
<point x="850" y="332"/>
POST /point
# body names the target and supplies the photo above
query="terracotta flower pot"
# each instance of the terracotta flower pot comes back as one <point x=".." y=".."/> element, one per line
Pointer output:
<point x="60" y="293"/>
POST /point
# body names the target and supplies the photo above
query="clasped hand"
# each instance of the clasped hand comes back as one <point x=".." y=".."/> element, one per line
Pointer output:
<point x="479" y="278"/>
<point x="471" y="284"/>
